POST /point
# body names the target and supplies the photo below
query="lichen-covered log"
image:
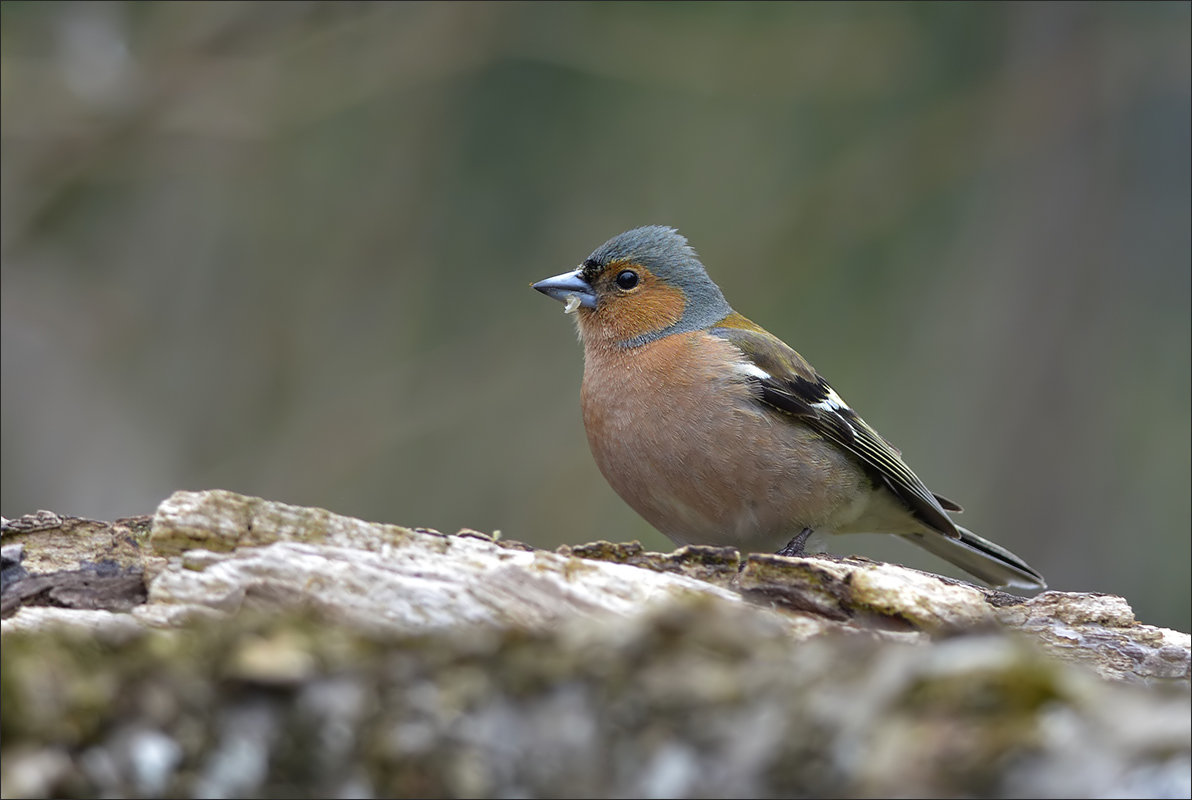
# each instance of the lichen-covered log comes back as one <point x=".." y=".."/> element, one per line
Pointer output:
<point x="692" y="698"/>
<point x="289" y="651"/>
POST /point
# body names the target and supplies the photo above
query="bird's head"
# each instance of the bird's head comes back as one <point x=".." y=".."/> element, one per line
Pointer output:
<point x="637" y="287"/>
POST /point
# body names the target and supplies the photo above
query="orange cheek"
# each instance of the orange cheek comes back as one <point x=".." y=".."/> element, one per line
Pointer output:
<point x="654" y="307"/>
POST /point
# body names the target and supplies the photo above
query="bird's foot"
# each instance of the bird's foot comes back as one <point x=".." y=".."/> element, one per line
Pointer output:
<point x="795" y="546"/>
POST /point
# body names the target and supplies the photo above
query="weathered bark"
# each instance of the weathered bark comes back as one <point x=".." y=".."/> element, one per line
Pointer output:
<point x="280" y="650"/>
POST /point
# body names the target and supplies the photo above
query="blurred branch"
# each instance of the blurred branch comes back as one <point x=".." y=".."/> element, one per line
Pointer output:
<point x="229" y="77"/>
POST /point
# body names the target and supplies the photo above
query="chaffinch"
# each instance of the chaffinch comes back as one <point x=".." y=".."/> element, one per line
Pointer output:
<point x="716" y="432"/>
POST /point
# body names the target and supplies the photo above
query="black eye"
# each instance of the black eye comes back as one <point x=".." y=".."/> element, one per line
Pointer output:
<point x="627" y="279"/>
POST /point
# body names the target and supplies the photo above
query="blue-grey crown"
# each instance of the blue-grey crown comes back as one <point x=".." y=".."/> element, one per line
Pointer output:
<point x="655" y="246"/>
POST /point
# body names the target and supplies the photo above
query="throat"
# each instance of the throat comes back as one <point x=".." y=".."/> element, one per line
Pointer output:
<point x="627" y="325"/>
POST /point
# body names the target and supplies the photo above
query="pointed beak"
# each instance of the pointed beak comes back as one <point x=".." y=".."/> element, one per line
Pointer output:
<point x="569" y="284"/>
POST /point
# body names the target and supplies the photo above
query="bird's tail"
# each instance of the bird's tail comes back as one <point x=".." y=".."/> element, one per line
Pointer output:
<point x="981" y="558"/>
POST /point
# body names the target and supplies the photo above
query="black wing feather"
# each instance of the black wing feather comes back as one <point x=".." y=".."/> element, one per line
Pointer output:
<point x="793" y="387"/>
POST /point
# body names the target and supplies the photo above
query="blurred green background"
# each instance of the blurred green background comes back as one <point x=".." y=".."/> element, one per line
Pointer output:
<point x="285" y="249"/>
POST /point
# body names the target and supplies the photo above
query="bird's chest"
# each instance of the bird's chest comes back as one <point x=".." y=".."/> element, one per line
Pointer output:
<point x="661" y="402"/>
<point x="665" y="423"/>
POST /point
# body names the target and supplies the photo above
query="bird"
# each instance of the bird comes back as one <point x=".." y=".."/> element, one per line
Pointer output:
<point x="716" y="432"/>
